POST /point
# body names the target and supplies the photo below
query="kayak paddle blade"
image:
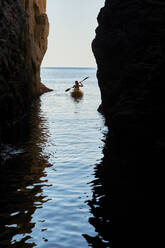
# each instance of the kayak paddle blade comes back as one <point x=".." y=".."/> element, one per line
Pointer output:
<point x="67" y="89"/>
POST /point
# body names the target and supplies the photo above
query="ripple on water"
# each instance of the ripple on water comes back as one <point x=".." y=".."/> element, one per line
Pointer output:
<point x="45" y="189"/>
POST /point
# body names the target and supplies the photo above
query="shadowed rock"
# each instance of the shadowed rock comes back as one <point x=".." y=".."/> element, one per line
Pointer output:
<point x="23" y="42"/>
<point x="129" y="49"/>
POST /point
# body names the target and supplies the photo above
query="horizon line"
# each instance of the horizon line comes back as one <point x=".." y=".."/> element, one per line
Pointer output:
<point x="69" y="67"/>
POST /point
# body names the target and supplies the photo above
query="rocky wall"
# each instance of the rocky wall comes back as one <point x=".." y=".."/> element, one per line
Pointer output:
<point x="23" y="42"/>
<point x="129" y="48"/>
<point x="130" y="53"/>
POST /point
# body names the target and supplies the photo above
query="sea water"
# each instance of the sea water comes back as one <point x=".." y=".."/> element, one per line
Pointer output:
<point x="47" y="184"/>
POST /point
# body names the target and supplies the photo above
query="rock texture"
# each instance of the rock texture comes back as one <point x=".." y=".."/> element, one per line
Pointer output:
<point x="23" y="42"/>
<point x="130" y="53"/>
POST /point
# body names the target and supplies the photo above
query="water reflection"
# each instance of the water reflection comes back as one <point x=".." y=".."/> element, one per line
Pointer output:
<point x="22" y="178"/>
<point x="77" y="98"/>
<point x="119" y="205"/>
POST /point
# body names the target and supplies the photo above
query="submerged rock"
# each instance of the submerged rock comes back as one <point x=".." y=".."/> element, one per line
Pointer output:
<point x="23" y="42"/>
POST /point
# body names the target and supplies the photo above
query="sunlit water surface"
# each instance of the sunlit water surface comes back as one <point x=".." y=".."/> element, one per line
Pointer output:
<point x="46" y="181"/>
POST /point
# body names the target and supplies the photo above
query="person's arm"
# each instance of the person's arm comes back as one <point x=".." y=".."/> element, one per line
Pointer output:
<point x="81" y="85"/>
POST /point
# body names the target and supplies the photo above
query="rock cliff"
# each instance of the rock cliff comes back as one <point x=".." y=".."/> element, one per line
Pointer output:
<point x="130" y="54"/>
<point x="23" y="42"/>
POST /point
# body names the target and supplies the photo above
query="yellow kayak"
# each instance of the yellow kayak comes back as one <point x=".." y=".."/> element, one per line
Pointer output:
<point x="77" y="93"/>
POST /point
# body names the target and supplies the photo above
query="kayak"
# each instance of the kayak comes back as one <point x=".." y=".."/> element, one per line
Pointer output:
<point x="77" y="93"/>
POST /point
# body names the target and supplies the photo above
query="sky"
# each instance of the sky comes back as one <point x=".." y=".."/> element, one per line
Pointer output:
<point x="72" y="29"/>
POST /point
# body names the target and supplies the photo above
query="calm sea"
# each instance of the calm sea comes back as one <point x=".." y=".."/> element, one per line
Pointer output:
<point x="47" y="179"/>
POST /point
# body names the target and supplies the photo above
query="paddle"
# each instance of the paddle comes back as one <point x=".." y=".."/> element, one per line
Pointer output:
<point x="79" y="82"/>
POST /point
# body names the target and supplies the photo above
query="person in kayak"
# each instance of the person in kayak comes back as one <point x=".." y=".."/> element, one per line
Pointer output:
<point x="77" y="85"/>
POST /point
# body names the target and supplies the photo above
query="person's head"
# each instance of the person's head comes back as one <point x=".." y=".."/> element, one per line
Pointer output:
<point x="76" y="82"/>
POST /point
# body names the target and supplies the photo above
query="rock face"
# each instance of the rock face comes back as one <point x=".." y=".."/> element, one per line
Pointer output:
<point x="23" y="42"/>
<point x="130" y="53"/>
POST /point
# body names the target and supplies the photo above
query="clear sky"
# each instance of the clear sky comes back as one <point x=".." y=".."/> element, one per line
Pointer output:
<point x="72" y="29"/>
